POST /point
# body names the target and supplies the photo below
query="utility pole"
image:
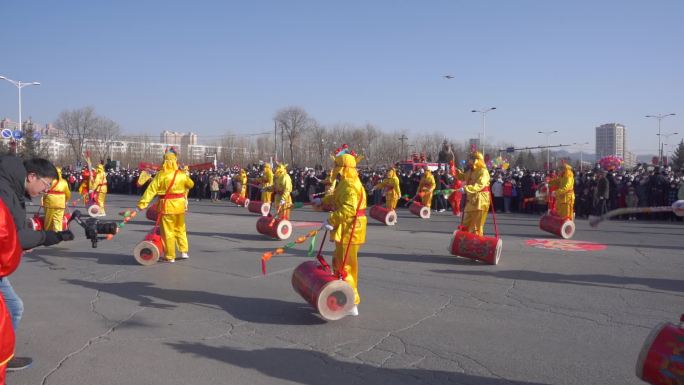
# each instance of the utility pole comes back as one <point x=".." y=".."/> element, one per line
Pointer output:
<point x="402" y="138"/>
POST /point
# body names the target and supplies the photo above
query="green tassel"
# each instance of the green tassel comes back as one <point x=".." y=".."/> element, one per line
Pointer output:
<point x="312" y="247"/>
<point x="298" y="205"/>
<point x="289" y="245"/>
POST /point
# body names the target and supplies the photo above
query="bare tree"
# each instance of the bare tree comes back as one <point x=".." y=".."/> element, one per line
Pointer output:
<point x="294" y="121"/>
<point x="78" y="126"/>
<point x="106" y="131"/>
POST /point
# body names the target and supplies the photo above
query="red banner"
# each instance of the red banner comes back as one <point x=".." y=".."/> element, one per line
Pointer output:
<point x="201" y="166"/>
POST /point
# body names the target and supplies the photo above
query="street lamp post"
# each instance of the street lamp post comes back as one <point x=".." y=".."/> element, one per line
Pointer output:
<point x="660" y="149"/>
<point x="20" y="85"/>
<point x="402" y="138"/>
<point x="581" y="146"/>
<point x="484" y="126"/>
<point x="665" y="143"/>
<point x="548" y="150"/>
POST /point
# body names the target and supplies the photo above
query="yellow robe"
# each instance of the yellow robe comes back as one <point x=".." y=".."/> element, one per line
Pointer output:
<point x="55" y="202"/>
<point x="565" y="194"/>
<point x="347" y="196"/>
<point x="392" y="190"/>
<point x="427" y="186"/>
<point x="476" y="186"/>
<point x="172" y="210"/>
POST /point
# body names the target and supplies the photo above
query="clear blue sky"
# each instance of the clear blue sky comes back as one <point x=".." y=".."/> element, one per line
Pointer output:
<point x="219" y="66"/>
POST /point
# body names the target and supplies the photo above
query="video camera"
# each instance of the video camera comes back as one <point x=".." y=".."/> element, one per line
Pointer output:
<point x="94" y="227"/>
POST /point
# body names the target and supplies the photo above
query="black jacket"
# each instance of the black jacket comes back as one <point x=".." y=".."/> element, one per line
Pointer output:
<point x="12" y="177"/>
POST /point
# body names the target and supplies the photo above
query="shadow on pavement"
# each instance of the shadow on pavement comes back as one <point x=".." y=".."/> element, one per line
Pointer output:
<point x="599" y="280"/>
<point x="102" y="258"/>
<point x="255" y="310"/>
<point x="315" y="368"/>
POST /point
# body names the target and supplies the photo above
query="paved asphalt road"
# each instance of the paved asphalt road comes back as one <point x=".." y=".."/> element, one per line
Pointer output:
<point x="93" y="316"/>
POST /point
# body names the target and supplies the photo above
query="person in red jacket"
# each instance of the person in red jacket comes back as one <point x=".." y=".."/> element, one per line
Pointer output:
<point x="10" y="254"/>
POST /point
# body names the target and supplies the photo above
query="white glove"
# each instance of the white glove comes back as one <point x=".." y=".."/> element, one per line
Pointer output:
<point x="316" y="202"/>
<point x="282" y="202"/>
<point x="461" y="190"/>
<point x="678" y="208"/>
<point x="327" y="225"/>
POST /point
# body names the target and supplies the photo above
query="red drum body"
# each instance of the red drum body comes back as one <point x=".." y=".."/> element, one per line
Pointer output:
<point x="259" y="207"/>
<point x="333" y="298"/>
<point x="383" y="215"/>
<point x="149" y="250"/>
<point x="152" y="212"/>
<point x="564" y="228"/>
<point x="94" y="210"/>
<point x="661" y="360"/>
<point x="419" y="210"/>
<point x="38" y="222"/>
<point x="473" y="246"/>
<point x="274" y="228"/>
<point x="238" y="200"/>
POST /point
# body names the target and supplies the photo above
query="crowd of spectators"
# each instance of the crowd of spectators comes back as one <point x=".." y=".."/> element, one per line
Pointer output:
<point x="514" y="189"/>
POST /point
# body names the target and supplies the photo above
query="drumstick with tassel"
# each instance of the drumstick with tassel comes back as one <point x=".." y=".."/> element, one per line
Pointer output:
<point x="265" y="257"/>
<point x="677" y="208"/>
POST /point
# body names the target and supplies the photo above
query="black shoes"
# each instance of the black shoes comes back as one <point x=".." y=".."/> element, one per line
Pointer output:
<point x="19" y="363"/>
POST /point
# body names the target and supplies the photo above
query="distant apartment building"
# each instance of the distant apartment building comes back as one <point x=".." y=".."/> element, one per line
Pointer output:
<point x="611" y="139"/>
<point x="178" y="138"/>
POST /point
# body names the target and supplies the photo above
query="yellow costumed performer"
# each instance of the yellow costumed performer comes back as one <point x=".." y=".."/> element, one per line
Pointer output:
<point x="283" y="190"/>
<point x="348" y="222"/>
<point x="426" y="187"/>
<point x="267" y="184"/>
<point x="392" y="189"/>
<point x="98" y="187"/>
<point x="171" y="186"/>
<point x="55" y="201"/>
<point x="476" y="186"/>
<point x="83" y="188"/>
<point x="243" y="183"/>
<point x="563" y="186"/>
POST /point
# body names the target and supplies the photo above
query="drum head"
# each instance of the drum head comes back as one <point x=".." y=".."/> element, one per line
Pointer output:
<point x="284" y="229"/>
<point x="391" y="218"/>
<point x="246" y="203"/>
<point x="646" y="348"/>
<point x="568" y="229"/>
<point x="94" y="211"/>
<point x="335" y="300"/>
<point x="499" y="247"/>
<point x="146" y="253"/>
<point x="425" y="212"/>
<point x="265" y="209"/>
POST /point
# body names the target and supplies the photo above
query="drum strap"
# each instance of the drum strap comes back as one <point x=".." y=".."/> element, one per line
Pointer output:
<point x="342" y="274"/>
<point x="162" y="205"/>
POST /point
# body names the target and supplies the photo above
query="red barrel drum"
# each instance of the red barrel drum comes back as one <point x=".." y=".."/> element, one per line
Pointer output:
<point x="274" y="228"/>
<point x="563" y="227"/>
<point x="38" y="222"/>
<point x="383" y="215"/>
<point x="239" y="200"/>
<point x="418" y="209"/>
<point x="661" y="360"/>
<point x="149" y="250"/>
<point x="152" y="212"/>
<point x="473" y="246"/>
<point x="259" y="207"/>
<point x="333" y="298"/>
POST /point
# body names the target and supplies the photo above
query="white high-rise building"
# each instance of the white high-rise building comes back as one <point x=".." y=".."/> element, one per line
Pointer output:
<point x="611" y="139"/>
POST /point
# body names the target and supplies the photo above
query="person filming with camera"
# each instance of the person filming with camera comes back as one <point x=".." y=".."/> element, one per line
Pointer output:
<point x="21" y="180"/>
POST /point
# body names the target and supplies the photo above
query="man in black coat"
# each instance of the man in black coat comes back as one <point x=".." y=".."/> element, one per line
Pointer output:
<point x="20" y="180"/>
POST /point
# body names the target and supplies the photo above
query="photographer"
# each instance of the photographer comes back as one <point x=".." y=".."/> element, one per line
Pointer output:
<point x="20" y="180"/>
